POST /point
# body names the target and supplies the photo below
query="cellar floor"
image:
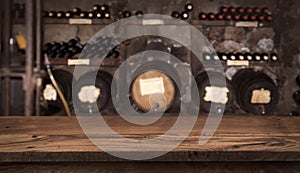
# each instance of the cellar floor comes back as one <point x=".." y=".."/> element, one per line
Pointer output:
<point x="60" y="140"/>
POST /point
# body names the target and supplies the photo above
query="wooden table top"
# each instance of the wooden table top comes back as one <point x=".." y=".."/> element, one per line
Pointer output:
<point x="238" y="138"/>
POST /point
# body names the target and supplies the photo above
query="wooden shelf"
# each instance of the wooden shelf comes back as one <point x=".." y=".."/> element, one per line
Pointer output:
<point x="141" y="22"/>
<point x="238" y="138"/>
<point x="108" y="62"/>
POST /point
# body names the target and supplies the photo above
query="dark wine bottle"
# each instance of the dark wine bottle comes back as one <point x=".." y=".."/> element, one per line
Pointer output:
<point x="245" y="17"/>
<point x="60" y="14"/>
<point x="106" y="15"/>
<point x="189" y="7"/>
<point x="223" y="56"/>
<point x="72" y="42"/>
<point x="175" y="14"/>
<point x="265" y="57"/>
<point x="202" y="16"/>
<point x="248" y="10"/>
<point x="96" y="7"/>
<point x="227" y="17"/>
<point x="69" y="14"/>
<point x="265" y="10"/>
<point x="224" y="9"/>
<point x="99" y="15"/>
<point x="240" y="10"/>
<point x="248" y="56"/>
<point x="256" y="10"/>
<point x="240" y="56"/>
<point x="126" y="14"/>
<point x="236" y="17"/>
<point x="104" y="8"/>
<point x="296" y="96"/>
<point x="261" y="18"/>
<point x="52" y="14"/>
<point x="274" y="57"/>
<point x="139" y="13"/>
<point x="232" y="10"/>
<point x="91" y="15"/>
<point x="211" y="16"/>
<point x="232" y="56"/>
<point x="252" y="17"/>
<point x="83" y="14"/>
<point x="76" y="11"/>
<point x="257" y="57"/>
<point x="269" y="18"/>
<point x="184" y="15"/>
<point x="220" y="16"/>
<point x="206" y="56"/>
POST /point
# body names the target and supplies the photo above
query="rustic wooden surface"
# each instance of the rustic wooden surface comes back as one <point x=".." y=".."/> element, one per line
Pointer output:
<point x="238" y="138"/>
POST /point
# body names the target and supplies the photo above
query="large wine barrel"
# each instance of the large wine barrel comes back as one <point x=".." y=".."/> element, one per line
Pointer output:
<point x="92" y="95"/>
<point x="54" y="103"/>
<point x="153" y="88"/>
<point x="219" y="93"/>
<point x="255" y="91"/>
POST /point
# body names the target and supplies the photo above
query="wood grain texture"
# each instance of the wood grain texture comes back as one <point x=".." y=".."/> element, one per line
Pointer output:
<point x="153" y="167"/>
<point x="238" y="138"/>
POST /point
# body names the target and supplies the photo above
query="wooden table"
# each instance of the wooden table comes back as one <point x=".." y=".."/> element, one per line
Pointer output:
<point x="240" y="144"/>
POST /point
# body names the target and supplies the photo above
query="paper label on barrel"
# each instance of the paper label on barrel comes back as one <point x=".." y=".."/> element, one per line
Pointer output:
<point x="261" y="96"/>
<point x="89" y="94"/>
<point x="152" y="86"/>
<point x="238" y="63"/>
<point x="216" y="94"/>
<point x="78" y="62"/>
<point x="80" y="21"/>
<point x="50" y="93"/>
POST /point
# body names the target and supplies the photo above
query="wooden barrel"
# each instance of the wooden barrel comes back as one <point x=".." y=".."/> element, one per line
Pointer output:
<point x="217" y="92"/>
<point x="54" y="104"/>
<point x="255" y="91"/>
<point x="92" y="95"/>
<point x="153" y="84"/>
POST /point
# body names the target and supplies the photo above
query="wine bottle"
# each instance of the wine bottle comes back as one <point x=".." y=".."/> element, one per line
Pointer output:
<point x="206" y="56"/>
<point x="232" y="10"/>
<point x="91" y="14"/>
<point x="240" y="10"/>
<point x="296" y="97"/>
<point x="96" y="7"/>
<point x="224" y="9"/>
<point x="252" y="17"/>
<point x="274" y="57"/>
<point x="211" y="16"/>
<point x="184" y="15"/>
<point x="245" y="17"/>
<point x="269" y="18"/>
<point x="265" y="10"/>
<point x="60" y="14"/>
<point x="202" y="16"/>
<point x="99" y="15"/>
<point x="189" y="7"/>
<point x="256" y="10"/>
<point x="223" y="56"/>
<point x="248" y="56"/>
<point x="139" y="13"/>
<point x="220" y="16"/>
<point x="248" y="10"/>
<point x="52" y="14"/>
<point x="76" y="11"/>
<point x="104" y="8"/>
<point x="257" y="57"/>
<point x="260" y="18"/>
<point x="227" y="17"/>
<point x="126" y="14"/>
<point x="83" y="14"/>
<point x="69" y="14"/>
<point x="240" y="56"/>
<point x="232" y="56"/>
<point x="236" y="17"/>
<point x="72" y="42"/>
<point x="175" y="14"/>
<point x="106" y="15"/>
<point x="265" y="57"/>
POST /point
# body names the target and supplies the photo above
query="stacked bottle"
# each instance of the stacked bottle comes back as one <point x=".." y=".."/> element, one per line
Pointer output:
<point x="239" y="14"/>
<point x="266" y="57"/>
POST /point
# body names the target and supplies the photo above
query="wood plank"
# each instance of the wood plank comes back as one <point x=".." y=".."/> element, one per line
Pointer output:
<point x="150" y="167"/>
<point x="238" y="138"/>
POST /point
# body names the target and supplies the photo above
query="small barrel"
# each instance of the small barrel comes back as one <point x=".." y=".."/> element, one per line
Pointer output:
<point x="255" y="91"/>
<point x="92" y="94"/>
<point x="54" y="103"/>
<point x="214" y="93"/>
<point x="153" y="88"/>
